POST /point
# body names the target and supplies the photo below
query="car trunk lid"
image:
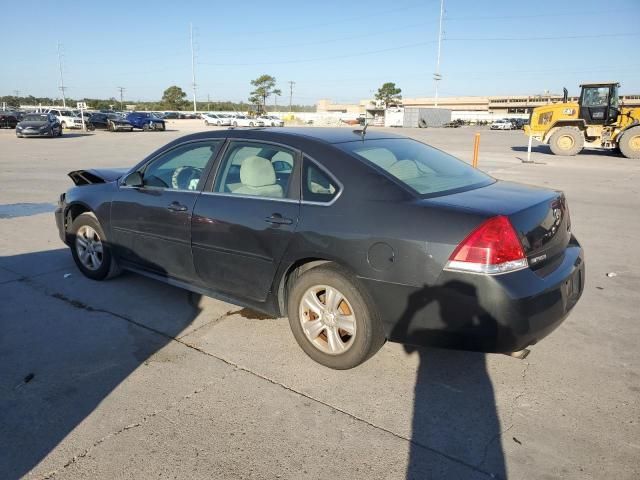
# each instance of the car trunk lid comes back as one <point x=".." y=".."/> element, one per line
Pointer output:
<point x="539" y="216"/>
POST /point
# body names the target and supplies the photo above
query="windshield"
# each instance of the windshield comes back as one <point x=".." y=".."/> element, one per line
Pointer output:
<point x="424" y="169"/>
<point x="35" y="118"/>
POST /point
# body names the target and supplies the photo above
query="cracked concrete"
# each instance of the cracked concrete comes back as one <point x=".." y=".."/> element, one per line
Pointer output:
<point x="115" y="364"/>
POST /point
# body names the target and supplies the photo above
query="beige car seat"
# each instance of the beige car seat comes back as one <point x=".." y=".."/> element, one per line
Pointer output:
<point x="258" y="178"/>
<point x="405" y="170"/>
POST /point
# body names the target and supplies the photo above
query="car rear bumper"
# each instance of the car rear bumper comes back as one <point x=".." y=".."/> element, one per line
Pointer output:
<point x="500" y="313"/>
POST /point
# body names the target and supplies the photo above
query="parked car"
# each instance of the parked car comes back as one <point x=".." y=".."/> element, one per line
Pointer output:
<point x="39" y="125"/>
<point x="109" y="121"/>
<point x="218" y="119"/>
<point x="501" y="124"/>
<point x="271" y="121"/>
<point x="8" y="119"/>
<point x="67" y="118"/>
<point x="357" y="237"/>
<point x="238" y="120"/>
<point x="518" y="123"/>
<point x="454" y="124"/>
<point x="145" y="121"/>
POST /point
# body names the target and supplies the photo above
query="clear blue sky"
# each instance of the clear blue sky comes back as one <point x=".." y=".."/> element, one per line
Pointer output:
<point x="343" y="50"/>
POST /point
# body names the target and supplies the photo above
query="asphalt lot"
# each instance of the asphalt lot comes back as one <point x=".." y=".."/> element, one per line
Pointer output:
<point x="132" y="378"/>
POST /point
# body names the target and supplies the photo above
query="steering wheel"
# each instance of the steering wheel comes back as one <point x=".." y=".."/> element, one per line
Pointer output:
<point x="186" y="178"/>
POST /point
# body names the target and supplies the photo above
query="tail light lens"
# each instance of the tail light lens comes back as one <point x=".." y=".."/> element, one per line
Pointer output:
<point x="492" y="248"/>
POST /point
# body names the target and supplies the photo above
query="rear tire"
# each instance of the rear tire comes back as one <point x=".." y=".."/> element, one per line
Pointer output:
<point x="568" y="141"/>
<point x="630" y="143"/>
<point x="320" y="335"/>
<point x="90" y="248"/>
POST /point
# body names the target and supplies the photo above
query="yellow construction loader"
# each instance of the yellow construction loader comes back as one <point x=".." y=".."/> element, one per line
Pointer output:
<point x="597" y="120"/>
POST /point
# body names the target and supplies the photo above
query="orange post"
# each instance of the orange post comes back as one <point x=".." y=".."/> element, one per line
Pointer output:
<point x="476" y="148"/>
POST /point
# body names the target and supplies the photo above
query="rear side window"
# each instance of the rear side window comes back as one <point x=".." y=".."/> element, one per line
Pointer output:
<point x="423" y="169"/>
<point x="317" y="185"/>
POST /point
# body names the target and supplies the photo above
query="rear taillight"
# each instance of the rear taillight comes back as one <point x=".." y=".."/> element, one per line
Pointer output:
<point x="492" y="248"/>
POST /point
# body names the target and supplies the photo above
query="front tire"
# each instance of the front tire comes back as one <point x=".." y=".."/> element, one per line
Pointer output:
<point x="90" y="249"/>
<point x="567" y="141"/>
<point x="630" y="143"/>
<point x="333" y="319"/>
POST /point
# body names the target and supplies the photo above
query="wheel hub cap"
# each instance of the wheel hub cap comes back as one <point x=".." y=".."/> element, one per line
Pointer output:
<point x="327" y="319"/>
<point x="89" y="247"/>
<point x="634" y="142"/>
<point x="565" y="142"/>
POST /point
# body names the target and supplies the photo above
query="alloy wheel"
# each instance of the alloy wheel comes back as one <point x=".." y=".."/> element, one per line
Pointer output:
<point x="328" y="319"/>
<point x="89" y="247"/>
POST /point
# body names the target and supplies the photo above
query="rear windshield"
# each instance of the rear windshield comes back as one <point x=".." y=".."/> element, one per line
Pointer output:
<point x="424" y="169"/>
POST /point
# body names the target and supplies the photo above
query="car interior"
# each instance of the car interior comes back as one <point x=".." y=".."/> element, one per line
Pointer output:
<point x="256" y="170"/>
<point x="421" y="170"/>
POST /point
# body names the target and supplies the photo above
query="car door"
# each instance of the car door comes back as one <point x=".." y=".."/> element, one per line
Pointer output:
<point x="151" y="222"/>
<point x="244" y="220"/>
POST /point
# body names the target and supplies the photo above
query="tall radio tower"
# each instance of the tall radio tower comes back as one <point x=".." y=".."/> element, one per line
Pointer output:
<point x="436" y="76"/>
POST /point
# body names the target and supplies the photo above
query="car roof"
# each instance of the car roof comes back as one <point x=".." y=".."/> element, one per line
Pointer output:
<point x="332" y="134"/>
<point x="320" y="134"/>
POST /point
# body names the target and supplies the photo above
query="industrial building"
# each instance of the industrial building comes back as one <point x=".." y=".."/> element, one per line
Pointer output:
<point x="465" y="108"/>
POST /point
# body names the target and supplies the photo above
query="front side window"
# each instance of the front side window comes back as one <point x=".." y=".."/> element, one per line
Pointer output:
<point x="595" y="97"/>
<point x="256" y="169"/>
<point x="424" y="169"/>
<point x="181" y="168"/>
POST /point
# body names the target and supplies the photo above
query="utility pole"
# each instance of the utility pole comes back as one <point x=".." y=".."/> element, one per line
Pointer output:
<point x="436" y="76"/>
<point x="16" y="93"/>
<point x="193" y="68"/>
<point x="291" y="84"/>
<point x="122" y="89"/>
<point x="208" y="102"/>
<point x="64" y="100"/>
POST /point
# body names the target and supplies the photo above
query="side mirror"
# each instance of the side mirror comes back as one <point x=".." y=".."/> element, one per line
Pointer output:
<point x="134" y="179"/>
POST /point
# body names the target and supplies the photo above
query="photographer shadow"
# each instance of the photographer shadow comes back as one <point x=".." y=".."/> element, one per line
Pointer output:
<point x="454" y="412"/>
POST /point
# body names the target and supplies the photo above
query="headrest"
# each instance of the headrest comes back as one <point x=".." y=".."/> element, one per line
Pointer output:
<point x="404" y="169"/>
<point x="257" y="172"/>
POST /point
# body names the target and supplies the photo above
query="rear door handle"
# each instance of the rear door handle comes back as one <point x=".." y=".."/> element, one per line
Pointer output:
<point x="177" y="207"/>
<point x="277" y="219"/>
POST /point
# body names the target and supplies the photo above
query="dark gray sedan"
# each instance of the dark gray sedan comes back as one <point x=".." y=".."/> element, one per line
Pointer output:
<point x="39" y="125"/>
<point x="358" y="237"/>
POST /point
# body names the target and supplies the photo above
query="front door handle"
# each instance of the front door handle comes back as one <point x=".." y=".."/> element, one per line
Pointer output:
<point x="177" y="207"/>
<point x="277" y="219"/>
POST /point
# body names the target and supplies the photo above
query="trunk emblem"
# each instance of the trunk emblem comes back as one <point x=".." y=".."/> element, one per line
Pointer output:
<point x="539" y="258"/>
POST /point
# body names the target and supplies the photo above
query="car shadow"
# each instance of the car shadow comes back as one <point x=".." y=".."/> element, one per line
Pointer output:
<point x="62" y="357"/>
<point x="75" y="135"/>
<point x="454" y="408"/>
<point x="544" y="149"/>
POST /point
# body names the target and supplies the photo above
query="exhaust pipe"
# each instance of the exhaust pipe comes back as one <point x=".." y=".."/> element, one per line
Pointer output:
<point x="565" y="96"/>
<point x="521" y="354"/>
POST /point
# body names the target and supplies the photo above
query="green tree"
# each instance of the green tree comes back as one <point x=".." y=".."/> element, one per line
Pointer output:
<point x="389" y="94"/>
<point x="174" y="98"/>
<point x="264" y="88"/>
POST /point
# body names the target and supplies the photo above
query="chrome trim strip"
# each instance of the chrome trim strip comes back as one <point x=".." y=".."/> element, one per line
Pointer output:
<point x="251" y="197"/>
